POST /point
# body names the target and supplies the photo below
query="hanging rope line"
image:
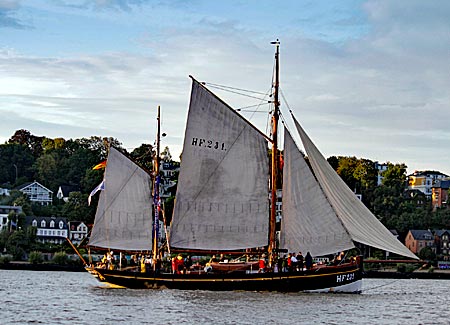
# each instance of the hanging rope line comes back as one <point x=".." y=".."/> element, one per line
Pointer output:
<point x="382" y="285"/>
<point x="237" y="91"/>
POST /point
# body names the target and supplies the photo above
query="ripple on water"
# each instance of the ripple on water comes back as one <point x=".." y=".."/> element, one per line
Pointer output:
<point x="76" y="298"/>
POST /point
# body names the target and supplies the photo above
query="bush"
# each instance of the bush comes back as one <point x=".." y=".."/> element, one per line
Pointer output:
<point x="60" y="258"/>
<point x="5" y="259"/>
<point x="35" y="258"/>
<point x="401" y="268"/>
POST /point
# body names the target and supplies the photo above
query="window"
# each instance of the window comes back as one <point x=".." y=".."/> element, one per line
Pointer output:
<point x="61" y="225"/>
<point x="43" y="224"/>
<point x="34" y="223"/>
<point x="52" y="224"/>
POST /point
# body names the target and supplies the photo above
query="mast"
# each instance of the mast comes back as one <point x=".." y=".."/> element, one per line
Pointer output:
<point x="156" y="201"/>
<point x="274" y="172"/>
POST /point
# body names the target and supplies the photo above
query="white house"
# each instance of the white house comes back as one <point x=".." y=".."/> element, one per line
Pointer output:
<point x="49" y="229"/>
<point x="4" y="212"/>
<point x="37" y="193"/>
<point x="64" y="191"/>
<point x="4" y="191"/>
<point x="77" y="231"/>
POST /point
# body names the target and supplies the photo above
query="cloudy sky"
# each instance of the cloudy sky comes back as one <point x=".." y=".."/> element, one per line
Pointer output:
<point x="369" y="79"/>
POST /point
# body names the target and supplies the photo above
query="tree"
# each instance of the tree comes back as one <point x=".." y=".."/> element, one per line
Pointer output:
<point x="17" y="244"/>
<point x="144" y="155"/>
<point x="47" y="166"/>
<point x="427" y="254"/>
<point x="77" y="209"/>
<point x="165" y="155"/>
<point x="395" y="176"/>
<point x="32" y="142"/>
<point x="16" y="161"/>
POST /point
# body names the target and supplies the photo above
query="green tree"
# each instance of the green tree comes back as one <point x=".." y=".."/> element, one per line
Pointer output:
<point x="35" y="257"/>
<point x="427" y="254"/>
<point x="16" y="164"/>
<point x="17" y="244"/>
<point x="32" y="142"/>
<point x="77" y="209"/>
<point x="60" y="258"/>
<point x="144" y="155"/>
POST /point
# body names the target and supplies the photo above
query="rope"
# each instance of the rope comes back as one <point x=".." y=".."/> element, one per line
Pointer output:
<point x="382" y="285"/>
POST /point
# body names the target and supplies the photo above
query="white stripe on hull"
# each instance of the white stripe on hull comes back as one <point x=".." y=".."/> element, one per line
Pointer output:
<point x="354" y="287"/>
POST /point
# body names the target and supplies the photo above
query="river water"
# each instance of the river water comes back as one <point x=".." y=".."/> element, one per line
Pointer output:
<point x="28" y="297"/>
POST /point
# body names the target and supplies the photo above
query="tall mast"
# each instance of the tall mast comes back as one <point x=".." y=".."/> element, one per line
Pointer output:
<point x="156" y="201"/>
<point x="274" y="173"/>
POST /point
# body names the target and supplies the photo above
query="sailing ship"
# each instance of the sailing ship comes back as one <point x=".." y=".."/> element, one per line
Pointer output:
<point x="226" y="203"/>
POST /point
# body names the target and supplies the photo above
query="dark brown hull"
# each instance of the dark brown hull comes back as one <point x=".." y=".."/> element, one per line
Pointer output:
<point x="343" y="278"/>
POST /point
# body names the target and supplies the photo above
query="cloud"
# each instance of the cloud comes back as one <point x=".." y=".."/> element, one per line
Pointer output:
<point x="8" y="9"/>
<point x="122" y="5"/>
<point x="376" y="88"/>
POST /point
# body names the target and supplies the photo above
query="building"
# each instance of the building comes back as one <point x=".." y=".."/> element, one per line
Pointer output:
<point x="439" y="194"/>
<point x="169" y="173"/>
<point x="442" y="240"/>
<point x="424" y="181"/>
<point x="381" y="168"/>
<point x="4" y="191"/>
<point x="416" y="197"/>
<point x="5" y="210"/>
<point x="65" y="190"/>
<point x="49" y="229"/>
<point x="37" y="193"/>
<point x="416" y="240"/>
<point x="77" y="231"/>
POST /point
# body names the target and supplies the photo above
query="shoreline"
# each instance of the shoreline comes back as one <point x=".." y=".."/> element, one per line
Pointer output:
<point x="436" y="274"/>
<point x="26" y="266"/>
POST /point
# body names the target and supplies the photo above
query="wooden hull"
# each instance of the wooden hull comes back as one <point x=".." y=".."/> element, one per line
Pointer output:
<point x="343" y="278"/>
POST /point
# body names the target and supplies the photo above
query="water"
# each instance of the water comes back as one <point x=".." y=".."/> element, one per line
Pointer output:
<point x="28" y="297"/>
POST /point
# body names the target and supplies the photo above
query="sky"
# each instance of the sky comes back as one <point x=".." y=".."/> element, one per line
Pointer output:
<point x="369" y="79"/>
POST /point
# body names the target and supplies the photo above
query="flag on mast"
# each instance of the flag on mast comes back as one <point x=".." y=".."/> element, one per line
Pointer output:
<point x="102" y="165"/>
<point x="100" y="187"/>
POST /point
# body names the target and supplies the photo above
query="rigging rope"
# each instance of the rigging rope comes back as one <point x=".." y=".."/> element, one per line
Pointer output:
<point x="382" y="285"/>
<point x="224" y="88"/>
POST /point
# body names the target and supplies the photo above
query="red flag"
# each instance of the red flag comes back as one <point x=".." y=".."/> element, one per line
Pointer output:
<point x="100" y="166"/>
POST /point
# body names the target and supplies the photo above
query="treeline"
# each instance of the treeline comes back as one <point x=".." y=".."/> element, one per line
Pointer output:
<point x="394" y="205"/>
<point x="55" y="162"/>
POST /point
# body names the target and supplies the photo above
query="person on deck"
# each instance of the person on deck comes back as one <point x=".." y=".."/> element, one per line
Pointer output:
<point x="133" y="262"/>
<point x="299" y="258"/>
<point x="293" y="263"/>
<point x="213" y="259"/>
<point x="262" y="264"/>
<point x="289" y="262"/>
<point x="187" y="264"/>
<point x="174" y="265"/>
<point x="124" y="262"/>
<point x="308" y="261"/>
<point x="179" y="264"/>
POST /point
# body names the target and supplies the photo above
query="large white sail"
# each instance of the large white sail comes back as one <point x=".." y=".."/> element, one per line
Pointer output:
<point x="357" y="219"/>
<point x="124" y="212"/>
<point x="222" y="194"/>
<point x="309" y="222"/>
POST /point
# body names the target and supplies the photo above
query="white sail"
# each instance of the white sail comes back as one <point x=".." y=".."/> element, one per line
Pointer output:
<point x="222" y="194"/>
<point x="309" y="222"/>
<point x="361" y="224"/>
<point x="124" y="212"/>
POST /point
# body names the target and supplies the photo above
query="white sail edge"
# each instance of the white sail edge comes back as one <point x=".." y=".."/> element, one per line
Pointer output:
<point x="359" y="221"/>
